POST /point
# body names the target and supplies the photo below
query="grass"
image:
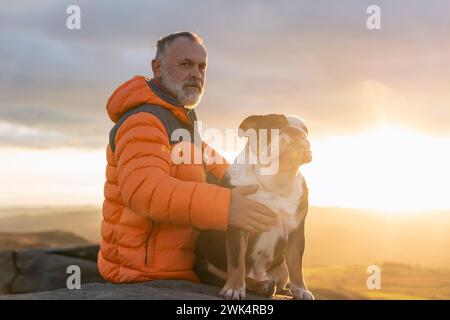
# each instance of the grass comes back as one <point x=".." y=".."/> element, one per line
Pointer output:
<point x="398" y="282"/>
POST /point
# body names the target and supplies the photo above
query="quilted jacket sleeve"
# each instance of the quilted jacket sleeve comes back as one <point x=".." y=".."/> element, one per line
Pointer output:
<point x="146" y="187"/>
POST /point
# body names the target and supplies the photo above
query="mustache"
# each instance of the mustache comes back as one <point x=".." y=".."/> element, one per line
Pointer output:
<point x="197" y="84"/>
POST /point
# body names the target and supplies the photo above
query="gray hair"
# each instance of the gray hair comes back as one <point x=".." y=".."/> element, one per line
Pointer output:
<point x="164" y="42"/>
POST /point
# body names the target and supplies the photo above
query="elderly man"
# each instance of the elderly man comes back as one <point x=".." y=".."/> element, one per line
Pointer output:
<point x="153" y="205"/>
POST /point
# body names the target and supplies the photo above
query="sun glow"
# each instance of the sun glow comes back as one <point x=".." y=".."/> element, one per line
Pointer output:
<point x="51" y="177"/>
<point x="388" y="168"/>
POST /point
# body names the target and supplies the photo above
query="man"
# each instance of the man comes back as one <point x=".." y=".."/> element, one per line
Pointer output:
<point x="152" y="205"/>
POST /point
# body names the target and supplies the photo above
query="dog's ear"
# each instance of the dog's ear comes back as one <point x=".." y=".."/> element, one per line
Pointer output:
<point x="250" y="122"/>
<point x="268" y="121"/>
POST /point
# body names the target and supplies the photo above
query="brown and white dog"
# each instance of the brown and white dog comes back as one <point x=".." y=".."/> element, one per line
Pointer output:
<point x="270" y="261"/>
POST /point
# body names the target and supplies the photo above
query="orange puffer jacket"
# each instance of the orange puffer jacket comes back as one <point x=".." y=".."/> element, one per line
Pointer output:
<point x="153" y="206"/>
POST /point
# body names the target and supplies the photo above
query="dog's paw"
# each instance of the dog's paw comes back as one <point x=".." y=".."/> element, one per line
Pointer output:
<point x="228" y="293"/>
<point x="266" y="288"/>
<point x="300" y="293"/>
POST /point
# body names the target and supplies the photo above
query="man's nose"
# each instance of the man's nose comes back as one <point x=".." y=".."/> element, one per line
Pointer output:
<point x="196" y="73"/>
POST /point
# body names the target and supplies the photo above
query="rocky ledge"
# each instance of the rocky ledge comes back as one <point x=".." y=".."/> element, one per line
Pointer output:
<point x="153" y="290"/>
<point x="42" y="274"/>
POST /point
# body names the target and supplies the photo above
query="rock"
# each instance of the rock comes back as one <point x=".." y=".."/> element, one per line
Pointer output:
<point x="152" y="290"/>
<point x="89" y="253"/>
<point x="8" y="271"/>
<point x="41" y="274"/>
<point x="45" y="269"/>
<point x="41" y="271"/>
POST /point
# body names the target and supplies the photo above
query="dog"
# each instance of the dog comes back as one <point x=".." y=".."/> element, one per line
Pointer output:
<point x="270" y="262"/>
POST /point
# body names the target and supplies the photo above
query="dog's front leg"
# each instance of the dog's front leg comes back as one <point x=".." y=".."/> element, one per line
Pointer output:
<point x="294" y="260"/>
<point x="236" y="245"/>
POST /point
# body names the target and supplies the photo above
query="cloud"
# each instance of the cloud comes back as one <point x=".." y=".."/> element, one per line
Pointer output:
<point x="18" y="135"/>
<point x="309" y="58"/>
<point x="14" y="135"/>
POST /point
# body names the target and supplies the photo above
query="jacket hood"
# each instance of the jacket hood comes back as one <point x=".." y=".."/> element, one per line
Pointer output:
<point x="136" y="92"/>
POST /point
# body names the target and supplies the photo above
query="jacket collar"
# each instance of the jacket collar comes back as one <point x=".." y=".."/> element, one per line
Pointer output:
<point x="157" y="88"/>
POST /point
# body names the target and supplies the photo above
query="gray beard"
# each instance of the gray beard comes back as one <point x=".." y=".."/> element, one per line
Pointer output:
<point x="188" y="99"/>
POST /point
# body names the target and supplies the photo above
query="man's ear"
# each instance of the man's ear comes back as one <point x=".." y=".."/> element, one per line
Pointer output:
<point x="248" y="123"/>
<point x="156" y="68"/>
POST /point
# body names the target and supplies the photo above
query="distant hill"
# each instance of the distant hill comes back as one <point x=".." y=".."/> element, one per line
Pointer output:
<point x="83" y="221"/>
<point x="334" y="236"/>
<point x="47" y="239"/>
<point x="411" y="250"/>
<point x="361" y="237"/>
<point x="398" y="282"/>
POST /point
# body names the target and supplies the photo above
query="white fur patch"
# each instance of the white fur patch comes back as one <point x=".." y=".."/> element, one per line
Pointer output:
<point x="232" y="294"/>
<point x="284" y="206"/>
<point x="300" y="293"/>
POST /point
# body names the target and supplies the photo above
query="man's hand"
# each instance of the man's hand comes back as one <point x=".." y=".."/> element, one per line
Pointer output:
<point x="248" y="214"/>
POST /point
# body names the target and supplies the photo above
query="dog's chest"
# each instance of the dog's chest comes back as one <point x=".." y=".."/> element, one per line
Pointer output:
<point x="284" y="206"/>
<point x="267" y="244"/>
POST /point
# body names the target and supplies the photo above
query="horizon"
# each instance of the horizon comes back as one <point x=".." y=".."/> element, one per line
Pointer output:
<point x="68" y="176"/>
<point x="10" y="211"/>
<point x="376" y="101"/>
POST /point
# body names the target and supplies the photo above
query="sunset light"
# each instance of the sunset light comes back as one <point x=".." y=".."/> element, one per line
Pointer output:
<point x="333" y="116"/>
<point x="388" y="168"/>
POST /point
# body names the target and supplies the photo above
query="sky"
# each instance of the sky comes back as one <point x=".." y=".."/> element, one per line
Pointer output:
<point x="356" y="88"/>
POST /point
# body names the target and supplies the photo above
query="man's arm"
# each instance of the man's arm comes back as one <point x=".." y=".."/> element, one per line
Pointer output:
<point x="146" y="187"/>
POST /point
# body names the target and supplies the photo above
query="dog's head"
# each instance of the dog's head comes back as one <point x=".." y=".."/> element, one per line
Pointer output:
<point x="292" y="138"/>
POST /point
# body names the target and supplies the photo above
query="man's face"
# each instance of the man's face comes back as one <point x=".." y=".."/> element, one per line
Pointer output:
<point x="182" y="70"/>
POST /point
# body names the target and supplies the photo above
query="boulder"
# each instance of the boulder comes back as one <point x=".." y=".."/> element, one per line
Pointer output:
<point x="42" y="274"/>
<point x="8" y="271"/>
<point x="152" y="290"/>
<point x="45" y="269"/>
